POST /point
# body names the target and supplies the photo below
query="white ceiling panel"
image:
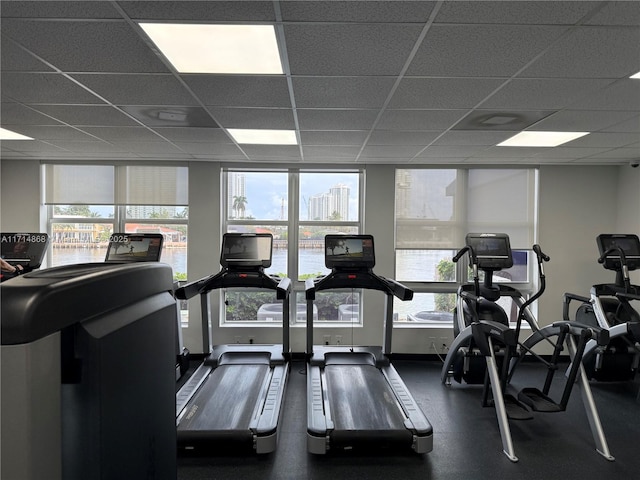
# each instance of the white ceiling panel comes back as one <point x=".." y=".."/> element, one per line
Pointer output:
<point x="548" y="93"/>
<point x="505" y="12"/>
<point x="480" y="50"/>
<point x="590" y="52"/>
<point x="349" y="49"/>
<point x="399" y="82"/>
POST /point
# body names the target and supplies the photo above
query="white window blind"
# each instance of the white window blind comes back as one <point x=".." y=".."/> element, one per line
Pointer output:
<point x="79" y="184"/>
<point x="502" y="201"/>
<point x="154" y="185"/>
<point x="435" y="209"/>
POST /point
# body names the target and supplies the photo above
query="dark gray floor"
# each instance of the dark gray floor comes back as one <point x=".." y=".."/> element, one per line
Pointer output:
<point x="467" y="442"/>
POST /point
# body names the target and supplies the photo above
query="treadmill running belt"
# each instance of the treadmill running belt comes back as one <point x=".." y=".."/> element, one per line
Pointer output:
<point x="361" y="399"/>
<point x="226" y="401"/>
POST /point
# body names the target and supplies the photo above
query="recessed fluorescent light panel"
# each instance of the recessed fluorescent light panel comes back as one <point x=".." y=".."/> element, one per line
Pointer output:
<point x="9" y="135"/>
<point x="541" y="139"/>
<point x="239" y="49"/>
<point x="636" y="75"/>
<point x="263" y="137"/>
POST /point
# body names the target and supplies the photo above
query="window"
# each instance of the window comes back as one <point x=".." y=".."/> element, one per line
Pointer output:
<point x="298" y="208"/>
<point x="435" y="209"/>
<point x="87" y="203"/>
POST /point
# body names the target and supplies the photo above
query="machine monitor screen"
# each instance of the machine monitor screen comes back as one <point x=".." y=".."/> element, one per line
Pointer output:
<point x="134" y="247"/>
<point x="24" y="248"/>
<point x="246" y="250"/>
<point x="349" y="251"/>
<point x="629" y="244"/>
<point x="492" y="250"/>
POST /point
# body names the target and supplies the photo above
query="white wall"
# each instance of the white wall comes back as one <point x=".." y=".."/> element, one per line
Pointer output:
<point x="576" y="204"/>
<point x="20" y="209"/>
<point x="628" y="206"/>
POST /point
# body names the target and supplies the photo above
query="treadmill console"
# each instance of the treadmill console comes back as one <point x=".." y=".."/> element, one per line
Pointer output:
<point x="134" y="247"/>
<point x="629" y="244"/>
<point x="249" y="251"/>
<point x="26" y="249"/>
<point x="492" y="250"/>
<point x="349" y="252"/>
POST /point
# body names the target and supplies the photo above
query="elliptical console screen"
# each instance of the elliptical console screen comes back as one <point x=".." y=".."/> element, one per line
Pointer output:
<point x="134" y="247"/>
<point x="492" y="250"/>
<point x="246" y="250"/>
<point x="630" y="245"/>
<point x="349" y="251"/>
<point x="26" y="249"/>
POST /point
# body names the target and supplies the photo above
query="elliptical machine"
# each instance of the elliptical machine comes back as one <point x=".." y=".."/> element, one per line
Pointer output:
<point x="610" y="307"/>
<point x="487" y="348"/>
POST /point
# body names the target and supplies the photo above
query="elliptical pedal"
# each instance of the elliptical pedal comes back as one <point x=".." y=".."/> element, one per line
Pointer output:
<point x="538" y="401"/>
<point x="516" y="409"/>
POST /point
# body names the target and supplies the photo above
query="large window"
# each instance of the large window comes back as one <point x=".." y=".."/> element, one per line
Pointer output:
<point x="435" y="209"/>
<point x="299" y="208"/>
<point x="87" y="203"/>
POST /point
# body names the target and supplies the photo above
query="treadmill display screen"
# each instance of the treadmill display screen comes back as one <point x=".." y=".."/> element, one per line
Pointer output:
<point x="492" y="250"/>
<point x="24" y="248"/>
<point x="630" y="245"/>
<point x="349" y="251"/>
<point x="134" y="247"/>
<point x="242" y="250"/>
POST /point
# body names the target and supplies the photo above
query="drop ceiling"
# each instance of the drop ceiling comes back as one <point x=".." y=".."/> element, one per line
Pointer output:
<point x="395" y="82"/>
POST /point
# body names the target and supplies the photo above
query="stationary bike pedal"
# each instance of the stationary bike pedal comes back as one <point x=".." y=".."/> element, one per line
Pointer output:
<point x="538" y="401"/>
<point x="515" y="409"/>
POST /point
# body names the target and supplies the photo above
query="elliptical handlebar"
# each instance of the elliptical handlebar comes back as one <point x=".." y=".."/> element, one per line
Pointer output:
<point x="616" y="249"/>
<point x="540" y="254"/>
<point x="623" y="264"/>
<point x="460" y="253"/>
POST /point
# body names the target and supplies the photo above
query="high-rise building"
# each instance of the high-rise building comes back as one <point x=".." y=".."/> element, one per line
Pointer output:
<point x="236" y="189"/>
<point x="333" y="205"/>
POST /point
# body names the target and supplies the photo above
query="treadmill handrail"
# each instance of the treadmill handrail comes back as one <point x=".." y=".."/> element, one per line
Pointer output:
<point x="357" y="278"/>
<point x="235" y="278"/>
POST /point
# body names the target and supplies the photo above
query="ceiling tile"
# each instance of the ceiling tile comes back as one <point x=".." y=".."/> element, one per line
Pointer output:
<point x="240" y="90"/>
<point x="87" y="115"/>
<point x="582" y="120"/>
<point x="271" y="118"/>
<point x="333" y="119"/>
<point x="22" y="115"/>
<point x="344" y="137"/>
<point x="44" y="88"/>
<point x="341" y="92"/>
<point x="597" y="52"/>
<point x="480" y="50"/>
<point x="501" y="12"/>
<point x="82" y="46"/>
<point x="442" y="92"/>
<point x="394" y="137"/>
<point x="545" y="94"/>
<point x="419" y="119"/>
<point x="137" y="89"/>
<point x="221" y="11"/>
<point x="358" y="49"/>
<point x="356" y="11"/>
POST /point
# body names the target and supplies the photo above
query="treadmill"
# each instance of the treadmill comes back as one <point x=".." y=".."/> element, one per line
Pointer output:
<point x="236" y="394"/>
<point x="147" y="247"/>
<point x="354" y="395"/>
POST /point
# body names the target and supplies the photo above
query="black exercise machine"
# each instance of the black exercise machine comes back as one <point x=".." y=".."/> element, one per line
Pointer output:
<point x="487" y="346"/>
<point x="236" y="394"/>
<point x="354" y="394"/>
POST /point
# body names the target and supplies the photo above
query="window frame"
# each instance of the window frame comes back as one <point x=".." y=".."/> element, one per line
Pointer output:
<point x="293" y="224"/>
<point x="458" y="224"/>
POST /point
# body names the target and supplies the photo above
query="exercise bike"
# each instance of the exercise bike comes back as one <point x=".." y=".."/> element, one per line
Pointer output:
<point x="487" y="348"/>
